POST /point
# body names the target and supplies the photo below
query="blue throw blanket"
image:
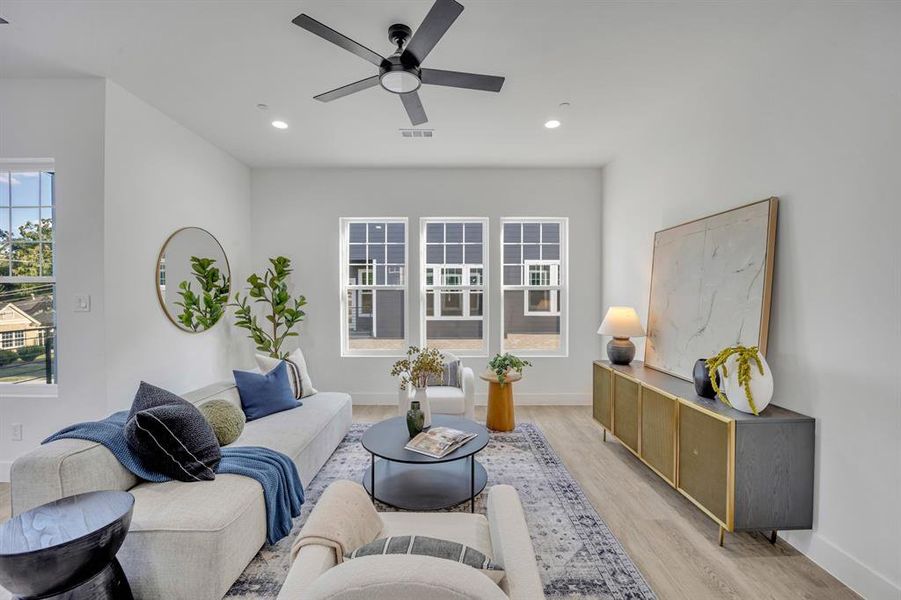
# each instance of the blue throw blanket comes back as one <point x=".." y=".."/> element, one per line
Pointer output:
<point x="282" y="489"/>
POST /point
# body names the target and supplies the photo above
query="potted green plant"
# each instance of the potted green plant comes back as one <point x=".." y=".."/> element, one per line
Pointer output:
<point x="281" y="310"/>
<point x="504" y="364"/>
<point x="745" y="377"/>
<point x="416" y="368"/>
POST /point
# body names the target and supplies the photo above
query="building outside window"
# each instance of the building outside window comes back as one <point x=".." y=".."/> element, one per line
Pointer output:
<point x="454" y="307"/>
<point x="534" y="286"/>
<point x="373" y="287"/>
<point x="27" y="276"/>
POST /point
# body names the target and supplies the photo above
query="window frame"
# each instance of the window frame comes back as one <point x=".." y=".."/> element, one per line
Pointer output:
<point x="466" y="288"/>
<point x="344" y="288"/>
<point x="37" y="389"/>
<point x="562" y="307"/>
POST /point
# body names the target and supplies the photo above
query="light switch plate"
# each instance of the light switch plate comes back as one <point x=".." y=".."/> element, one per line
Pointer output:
<point x="82" y="303"/>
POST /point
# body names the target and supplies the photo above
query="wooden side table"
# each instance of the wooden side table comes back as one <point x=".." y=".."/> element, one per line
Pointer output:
<point x="501" y="415"/>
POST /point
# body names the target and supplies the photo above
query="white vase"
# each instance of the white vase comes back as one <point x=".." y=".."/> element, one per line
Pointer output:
<point x="423" y="398"/>
<point x="761" y="385"/>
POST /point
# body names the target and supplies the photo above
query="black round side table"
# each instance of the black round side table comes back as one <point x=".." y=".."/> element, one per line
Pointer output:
<point x="67" y="548"/>
<point x="412" y="481"/>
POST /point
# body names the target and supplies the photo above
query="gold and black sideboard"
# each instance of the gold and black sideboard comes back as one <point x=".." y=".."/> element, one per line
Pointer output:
<point x="745" y="472"/>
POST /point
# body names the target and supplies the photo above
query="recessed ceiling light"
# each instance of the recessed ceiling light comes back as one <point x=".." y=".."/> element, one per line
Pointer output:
<point x="279" y="124"/>
<point x="552" y="124"/>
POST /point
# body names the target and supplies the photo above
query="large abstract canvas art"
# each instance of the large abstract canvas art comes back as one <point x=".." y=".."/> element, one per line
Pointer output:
<point x="711" y="282"/>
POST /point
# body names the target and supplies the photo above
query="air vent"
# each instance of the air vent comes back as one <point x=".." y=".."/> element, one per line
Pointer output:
<point x="417" y="133"/>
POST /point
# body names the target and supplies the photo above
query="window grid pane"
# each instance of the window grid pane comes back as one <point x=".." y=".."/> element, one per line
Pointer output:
<point x="454" y="277"/>
<point x="375" y="292"/>
<point x="28" y="291"/>
<point x="532" y="285"/>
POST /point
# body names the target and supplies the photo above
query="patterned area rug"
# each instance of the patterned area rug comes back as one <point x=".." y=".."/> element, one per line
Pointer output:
<point x="578" y="556"/>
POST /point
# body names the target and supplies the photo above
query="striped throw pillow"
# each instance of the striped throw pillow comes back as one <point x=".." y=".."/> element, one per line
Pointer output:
<point x="450" y="377"/>
<point x="421" y="545"/>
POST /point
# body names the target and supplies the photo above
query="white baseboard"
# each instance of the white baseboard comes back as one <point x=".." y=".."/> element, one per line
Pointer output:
<point x="5" y="466"/>
<point x="844" y="567"/>
<point x="530" y="399"/>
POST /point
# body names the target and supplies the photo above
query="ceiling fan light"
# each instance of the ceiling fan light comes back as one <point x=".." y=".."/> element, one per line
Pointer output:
<point x="400" y="82"/>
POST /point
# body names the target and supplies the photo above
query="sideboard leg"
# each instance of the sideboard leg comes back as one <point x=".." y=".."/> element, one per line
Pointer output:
<point x="722" y="535"/>
<point x="605" y="435"/>
<point x="774" y="536"/>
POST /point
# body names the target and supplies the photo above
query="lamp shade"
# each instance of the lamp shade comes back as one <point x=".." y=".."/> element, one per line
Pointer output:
<point x="621" y="321"/>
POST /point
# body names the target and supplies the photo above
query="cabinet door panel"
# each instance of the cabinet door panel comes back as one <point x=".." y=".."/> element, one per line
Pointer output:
<point x="626" y="400"/>
<point x="658" y="432"/>
<point x="704" y="460"/>
<point x="602" y="397"/>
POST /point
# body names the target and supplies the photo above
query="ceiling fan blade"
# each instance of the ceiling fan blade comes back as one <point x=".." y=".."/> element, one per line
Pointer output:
<point x="436" y="23"/>
<point x="414" y="108"/>
<point x="339" y="39"/>
<point x="347" y="90"/>
<point x="470" y="81"/>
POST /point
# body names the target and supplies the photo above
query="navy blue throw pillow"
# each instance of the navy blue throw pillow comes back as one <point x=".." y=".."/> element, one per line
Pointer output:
<point x="265" y="394"/>
<point x="170" y="436"/>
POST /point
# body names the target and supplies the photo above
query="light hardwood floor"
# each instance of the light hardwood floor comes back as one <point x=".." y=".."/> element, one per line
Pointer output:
<point x="673" y="544"/>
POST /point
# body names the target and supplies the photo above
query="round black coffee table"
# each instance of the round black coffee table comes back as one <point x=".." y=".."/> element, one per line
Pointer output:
<point x="67" y="548"/>
<point x="413" y="481"/>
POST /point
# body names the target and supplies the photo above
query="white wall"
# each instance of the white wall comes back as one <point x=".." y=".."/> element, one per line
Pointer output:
<point x="161" y="177"/>
<point x="126" y="177"/>
<point x="814" y="118"/>
<point x="62" y="119"/>
<point x="296" y="213"/>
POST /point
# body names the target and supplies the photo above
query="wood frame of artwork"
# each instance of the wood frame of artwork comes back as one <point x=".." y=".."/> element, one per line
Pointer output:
<point x="766" y="290"/>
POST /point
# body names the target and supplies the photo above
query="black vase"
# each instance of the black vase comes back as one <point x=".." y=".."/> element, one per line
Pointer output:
<point x="701" y="376"/>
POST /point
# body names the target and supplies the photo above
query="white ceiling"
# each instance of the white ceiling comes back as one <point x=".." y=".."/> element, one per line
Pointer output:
<point x="208" y="64"/>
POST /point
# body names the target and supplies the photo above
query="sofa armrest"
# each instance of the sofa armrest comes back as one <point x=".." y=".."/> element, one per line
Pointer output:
<point x="511" y="544"/>
<point x="469" y="393"/>
<point x="402" y="576"/>
<point x="63" y="468"/>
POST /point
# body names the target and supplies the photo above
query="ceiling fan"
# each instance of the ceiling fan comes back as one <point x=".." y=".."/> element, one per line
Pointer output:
<point x="402" y="72"/>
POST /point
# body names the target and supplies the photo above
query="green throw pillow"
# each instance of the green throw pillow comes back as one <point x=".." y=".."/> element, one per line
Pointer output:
<point x="226" y="419"/>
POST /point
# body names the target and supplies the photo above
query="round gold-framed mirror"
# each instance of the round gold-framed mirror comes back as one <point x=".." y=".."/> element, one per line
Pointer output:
<point x="193" y="279"/>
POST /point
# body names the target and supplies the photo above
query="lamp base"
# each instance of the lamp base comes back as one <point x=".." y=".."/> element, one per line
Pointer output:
<point x="620" y="351"/>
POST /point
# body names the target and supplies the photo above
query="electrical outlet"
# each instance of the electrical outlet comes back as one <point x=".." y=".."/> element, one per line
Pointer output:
<point x="17" y="432"/>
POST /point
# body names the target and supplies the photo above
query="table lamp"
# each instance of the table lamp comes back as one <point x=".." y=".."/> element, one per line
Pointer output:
<point x="622" y="323"/>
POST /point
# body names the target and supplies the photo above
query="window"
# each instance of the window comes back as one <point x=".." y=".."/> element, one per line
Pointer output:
<point x="27" y="279"/>
<point x="534" y="286"/>
<point x="374" y="287"/>
<point x="455" y="271"/>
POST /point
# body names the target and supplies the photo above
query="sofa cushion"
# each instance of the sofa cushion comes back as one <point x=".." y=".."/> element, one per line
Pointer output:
<point x="450" y="376"/>
<point x="290" y="431"/>
<point x="265" y="394"/>
<point x="464" y="528"/>
<point x="192" y="541"/>
<point x="170" y="436"/>
<point x="446" y="400"/>
<point x="423" y="545"/>
<point x="226" y="419"/>
<point x="301" y="383"/>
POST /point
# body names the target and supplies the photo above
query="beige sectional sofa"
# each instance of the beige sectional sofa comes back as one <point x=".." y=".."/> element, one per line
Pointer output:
<point x="188" y="540"/>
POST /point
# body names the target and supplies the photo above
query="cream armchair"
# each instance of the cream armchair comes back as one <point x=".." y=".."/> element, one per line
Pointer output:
<point x="446" y="400"/>
<point x="344" y="512"/>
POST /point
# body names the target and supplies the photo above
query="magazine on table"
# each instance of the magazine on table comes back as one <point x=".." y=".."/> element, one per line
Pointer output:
<point x="438" y="442"/>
